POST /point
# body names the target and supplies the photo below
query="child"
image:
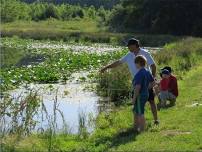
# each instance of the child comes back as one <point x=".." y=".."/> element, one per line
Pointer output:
<point x="168" y="88"/>
<point x="142" y="81"/>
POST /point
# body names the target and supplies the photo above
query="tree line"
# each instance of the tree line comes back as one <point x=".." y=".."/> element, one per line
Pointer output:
<point x="178" y="17"/>
<point x="107" y="4"/>
<point x="12" y="10"/>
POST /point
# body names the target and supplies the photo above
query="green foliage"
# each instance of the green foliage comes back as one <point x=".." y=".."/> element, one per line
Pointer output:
<point x="12" y="10"/>
<point x="68" y="12"/>
<point x="38" y="11"/>
<point x="107" y="4"/>
<point x="16" y="10"/>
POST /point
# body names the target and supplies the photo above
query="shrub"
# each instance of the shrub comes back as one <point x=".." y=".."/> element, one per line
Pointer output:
<point x="115" y="84"/>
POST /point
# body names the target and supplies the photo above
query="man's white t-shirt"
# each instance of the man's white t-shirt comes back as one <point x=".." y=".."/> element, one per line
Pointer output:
<point x="130" y="57"/>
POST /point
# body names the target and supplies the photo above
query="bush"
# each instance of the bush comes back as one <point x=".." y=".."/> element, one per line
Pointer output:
<point x="115" y="84"/>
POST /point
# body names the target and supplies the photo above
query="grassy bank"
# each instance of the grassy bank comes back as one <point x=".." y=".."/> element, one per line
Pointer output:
<point x="180" y="127"/>
<point x="74" y="25"/>
<point x="78" y="30"/>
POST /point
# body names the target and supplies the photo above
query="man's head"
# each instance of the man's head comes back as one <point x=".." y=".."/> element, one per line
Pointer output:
<point x="165" y="74"/>
<point x="133" y="45"/>
<point x="140" y="61"/>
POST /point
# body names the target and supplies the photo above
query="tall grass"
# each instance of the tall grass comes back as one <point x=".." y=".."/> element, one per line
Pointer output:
<point x="181" y="56"/>
<point x="17" y="119"/>
<point x="18" y="113"/>
<point x="78" y="30"/>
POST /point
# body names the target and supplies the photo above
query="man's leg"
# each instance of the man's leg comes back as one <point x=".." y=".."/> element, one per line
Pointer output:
<point x="153" y="109"/>
<point x="153" y="106"/>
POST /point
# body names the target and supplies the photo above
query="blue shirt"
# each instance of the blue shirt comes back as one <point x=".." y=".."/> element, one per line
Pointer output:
<point x="143" y="78"/>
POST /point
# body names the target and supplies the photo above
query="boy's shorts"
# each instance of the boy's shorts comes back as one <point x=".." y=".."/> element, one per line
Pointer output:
<point x="166" y="95"/>
<point x="151" y="95"/>
<point x="140" y="104"/>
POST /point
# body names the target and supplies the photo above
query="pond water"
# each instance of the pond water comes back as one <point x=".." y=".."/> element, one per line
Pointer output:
<point x="73" y="101"/>
<point x="91" y="48"/>
<point x="98" y="48"/>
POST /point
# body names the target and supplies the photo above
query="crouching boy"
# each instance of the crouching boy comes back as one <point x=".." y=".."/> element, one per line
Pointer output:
<point x="142" y="81"/>
<point x="168" y="88"/>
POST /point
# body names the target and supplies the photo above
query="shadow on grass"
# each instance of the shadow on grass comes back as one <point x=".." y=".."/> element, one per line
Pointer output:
<point x="126" y="136"/>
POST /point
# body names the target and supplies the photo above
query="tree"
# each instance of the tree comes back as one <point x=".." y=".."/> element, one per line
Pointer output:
<point x="179" y="17"/>
<point x="12" y="10"/>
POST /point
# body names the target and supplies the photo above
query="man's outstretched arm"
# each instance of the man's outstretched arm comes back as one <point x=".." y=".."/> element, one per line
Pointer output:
<point x="112" y="65"/>
<point x="153" y="70"/>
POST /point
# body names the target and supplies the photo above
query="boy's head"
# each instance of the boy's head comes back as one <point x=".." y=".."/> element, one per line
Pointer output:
<point x="167" y="68"/>
<point x="140" y="61"/>
<point x="133" y="44"/>
<point x="165" y="74"/>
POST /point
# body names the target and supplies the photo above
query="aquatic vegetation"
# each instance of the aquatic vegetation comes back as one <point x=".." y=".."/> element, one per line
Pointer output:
<point x="58" y="63"/>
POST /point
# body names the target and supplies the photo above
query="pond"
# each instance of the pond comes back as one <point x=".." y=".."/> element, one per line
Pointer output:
<point x="65" y="104"/>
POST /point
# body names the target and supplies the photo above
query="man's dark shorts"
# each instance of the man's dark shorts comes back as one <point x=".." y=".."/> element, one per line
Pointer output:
<point x="151" y="95"/>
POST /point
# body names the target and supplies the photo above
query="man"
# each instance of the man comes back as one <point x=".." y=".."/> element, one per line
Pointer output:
<point x="134" y="48"/>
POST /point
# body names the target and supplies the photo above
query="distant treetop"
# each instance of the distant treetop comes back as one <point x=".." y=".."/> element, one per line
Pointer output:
<point x="107" y="4"/>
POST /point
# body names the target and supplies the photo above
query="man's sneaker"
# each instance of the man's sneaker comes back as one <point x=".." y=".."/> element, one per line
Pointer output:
<point x="156" y="122"/>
